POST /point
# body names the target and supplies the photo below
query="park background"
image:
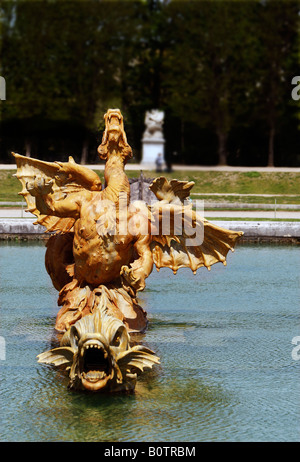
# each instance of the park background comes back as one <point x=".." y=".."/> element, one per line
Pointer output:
<point x="220" y="70"/>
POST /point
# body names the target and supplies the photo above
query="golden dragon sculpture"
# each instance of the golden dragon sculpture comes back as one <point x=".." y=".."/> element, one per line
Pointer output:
<point x="102" y="248"/>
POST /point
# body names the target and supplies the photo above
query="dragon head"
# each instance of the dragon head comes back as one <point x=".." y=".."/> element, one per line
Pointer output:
<point x="114" y="136"/>
<point x="97" y="353"/>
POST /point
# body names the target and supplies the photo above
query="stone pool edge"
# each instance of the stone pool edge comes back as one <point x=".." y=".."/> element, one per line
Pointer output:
<point x="23" y="229"/>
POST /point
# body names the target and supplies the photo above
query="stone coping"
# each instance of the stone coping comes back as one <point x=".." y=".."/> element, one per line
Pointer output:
<point x="251" y="229"/>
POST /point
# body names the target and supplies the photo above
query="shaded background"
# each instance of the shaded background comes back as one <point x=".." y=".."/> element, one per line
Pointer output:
<point x="220" y="70"/>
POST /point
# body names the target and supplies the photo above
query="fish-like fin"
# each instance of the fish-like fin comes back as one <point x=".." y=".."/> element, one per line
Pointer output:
<point x="138" y="358"/>
<point x="57" y="357"/>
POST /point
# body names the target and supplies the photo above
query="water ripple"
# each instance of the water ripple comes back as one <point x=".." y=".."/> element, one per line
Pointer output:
<point x="224" y="339"/>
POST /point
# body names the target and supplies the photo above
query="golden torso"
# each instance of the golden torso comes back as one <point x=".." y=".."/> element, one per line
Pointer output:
<point x="99" y="252"/>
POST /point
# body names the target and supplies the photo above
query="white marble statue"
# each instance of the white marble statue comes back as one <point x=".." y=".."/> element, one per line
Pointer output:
<point x="154" y="120"/>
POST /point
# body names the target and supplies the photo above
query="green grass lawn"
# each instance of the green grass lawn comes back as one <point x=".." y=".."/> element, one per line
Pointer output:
<point x="10" y="186"/>
<point x="253" y="182"/>
<point x="236" y="182"/>
<point x="208" y="182"/>
<point x="252" y="219"/>
<point x="249" y="199"/>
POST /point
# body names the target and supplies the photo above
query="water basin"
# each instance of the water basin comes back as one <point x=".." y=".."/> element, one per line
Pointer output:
<point x="225" y="342"/>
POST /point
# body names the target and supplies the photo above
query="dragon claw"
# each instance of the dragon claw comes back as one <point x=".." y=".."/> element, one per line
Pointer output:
<point x="128" y="276"/>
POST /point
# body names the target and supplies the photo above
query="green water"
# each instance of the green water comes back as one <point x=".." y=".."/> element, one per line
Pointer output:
<point x="225" y="342"/>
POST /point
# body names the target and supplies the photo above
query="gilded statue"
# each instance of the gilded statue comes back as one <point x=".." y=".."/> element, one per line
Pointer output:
<point x="100" y="251"/>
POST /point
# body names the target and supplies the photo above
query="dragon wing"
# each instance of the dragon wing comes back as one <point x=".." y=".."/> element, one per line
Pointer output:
<point x="180" y="236"/>
<point x="67" y="177"/>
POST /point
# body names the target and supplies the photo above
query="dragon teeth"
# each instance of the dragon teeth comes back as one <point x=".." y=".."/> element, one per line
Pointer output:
<point x="93" y="345"/>
<point x="94" y="376"/>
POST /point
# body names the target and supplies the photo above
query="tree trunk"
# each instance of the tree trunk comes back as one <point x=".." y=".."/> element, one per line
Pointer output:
<point x="85" y="151"/>
<point x="271" y="147"/>
<point x="222" y="153"/>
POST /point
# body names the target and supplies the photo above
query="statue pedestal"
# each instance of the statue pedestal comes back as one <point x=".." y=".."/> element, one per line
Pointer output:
<point x="150" y="151"/>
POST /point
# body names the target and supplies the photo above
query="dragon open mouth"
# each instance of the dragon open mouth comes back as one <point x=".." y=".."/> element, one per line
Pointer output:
<point x="96" y="368"/>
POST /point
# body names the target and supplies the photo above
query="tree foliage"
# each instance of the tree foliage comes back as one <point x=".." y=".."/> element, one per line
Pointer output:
<point x="221" y="71"/>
